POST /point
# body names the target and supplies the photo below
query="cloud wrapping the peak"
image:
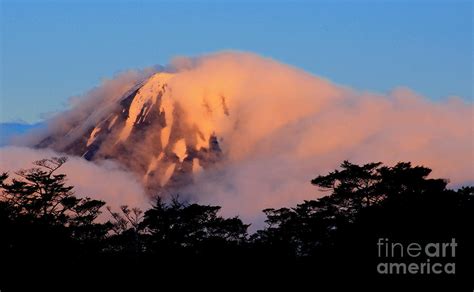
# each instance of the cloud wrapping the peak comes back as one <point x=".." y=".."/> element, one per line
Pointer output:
<point x="279" y="127"/>
<point x="286" y="126"/>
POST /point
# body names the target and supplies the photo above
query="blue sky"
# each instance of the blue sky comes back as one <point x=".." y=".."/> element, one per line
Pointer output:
<point x="51" y="50"/>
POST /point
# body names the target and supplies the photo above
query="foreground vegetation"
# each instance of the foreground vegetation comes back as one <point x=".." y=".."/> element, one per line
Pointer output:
<point x="44" y="227"/>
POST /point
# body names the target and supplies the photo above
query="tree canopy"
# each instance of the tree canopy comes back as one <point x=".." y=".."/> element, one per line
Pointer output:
<point x="43" y="221"/>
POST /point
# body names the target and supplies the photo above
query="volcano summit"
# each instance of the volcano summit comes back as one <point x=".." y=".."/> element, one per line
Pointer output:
<point x="148" y="133"/>
<point x="248" y="133"/>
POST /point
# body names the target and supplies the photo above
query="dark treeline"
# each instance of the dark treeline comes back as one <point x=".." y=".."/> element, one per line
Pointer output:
<point x="45" y="228"/>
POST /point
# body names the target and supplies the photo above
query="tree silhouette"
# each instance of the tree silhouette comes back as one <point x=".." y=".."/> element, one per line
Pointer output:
<point x="190" y="228"/>
<point x="127" y="231"/>
<point x="44" y="226"/>
<point x="41" y="216"/>
<point x="337" y="233"/>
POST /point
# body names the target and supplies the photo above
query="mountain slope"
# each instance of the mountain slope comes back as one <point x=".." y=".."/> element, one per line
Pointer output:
<point x="146" y="132"/>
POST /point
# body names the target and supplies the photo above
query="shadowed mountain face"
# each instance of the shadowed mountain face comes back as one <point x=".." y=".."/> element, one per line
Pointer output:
<point x="148" y="133"/>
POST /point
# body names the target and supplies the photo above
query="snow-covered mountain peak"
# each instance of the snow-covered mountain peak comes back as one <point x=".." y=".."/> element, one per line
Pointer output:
<point x="149" y="133"/>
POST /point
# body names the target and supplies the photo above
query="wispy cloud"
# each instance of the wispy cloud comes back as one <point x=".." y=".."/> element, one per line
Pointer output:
<point x="279" y="127"/>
